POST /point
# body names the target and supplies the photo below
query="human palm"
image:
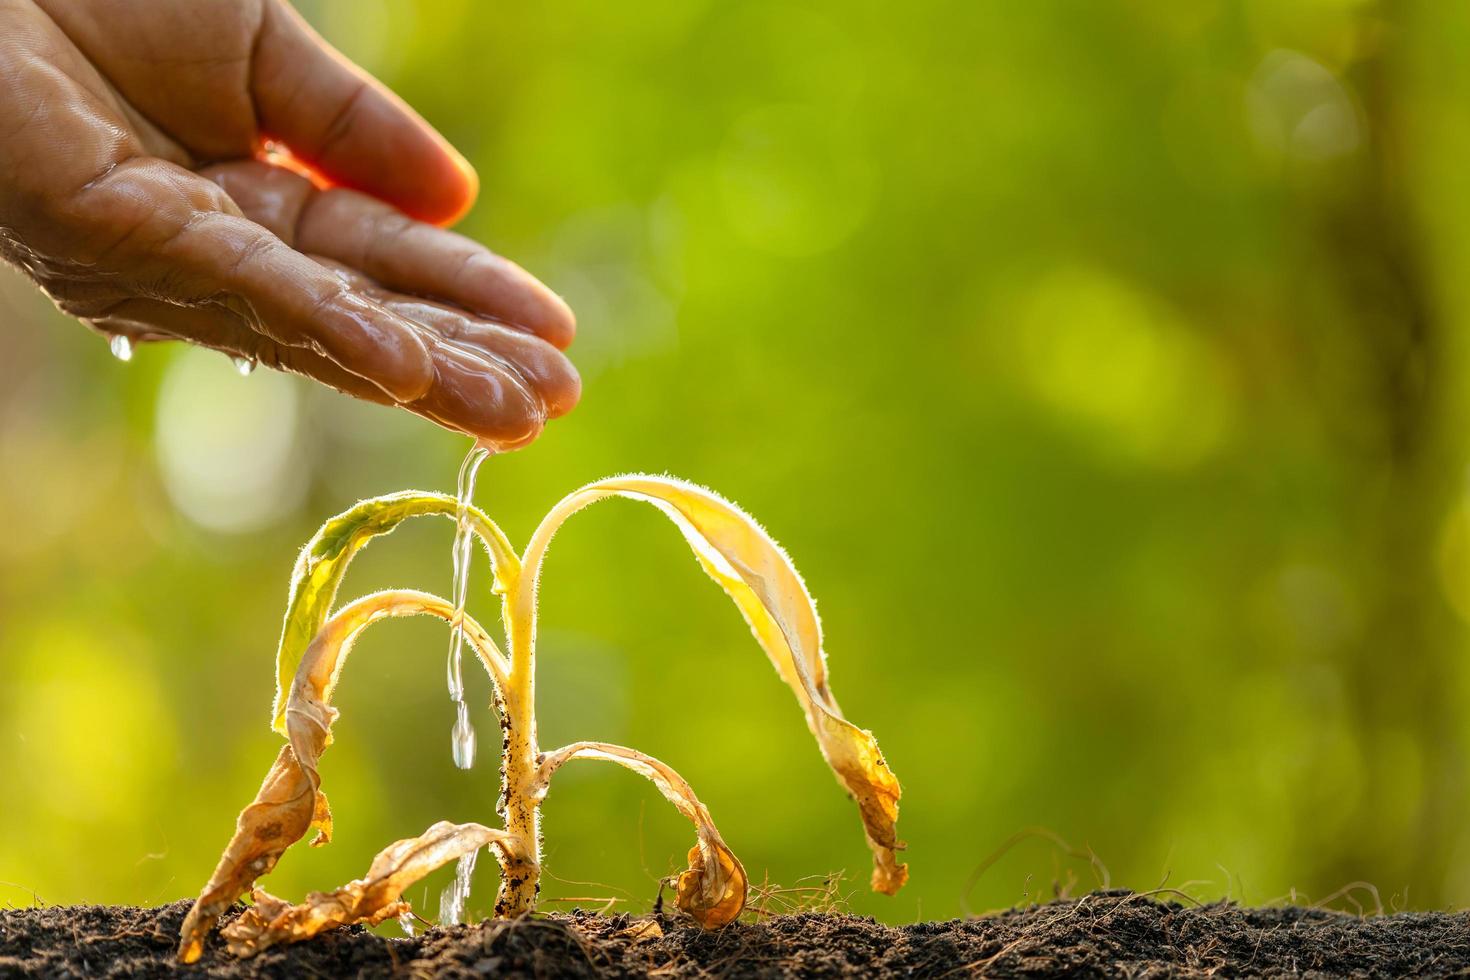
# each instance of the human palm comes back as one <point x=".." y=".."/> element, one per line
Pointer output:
<point x="211" y="171"/>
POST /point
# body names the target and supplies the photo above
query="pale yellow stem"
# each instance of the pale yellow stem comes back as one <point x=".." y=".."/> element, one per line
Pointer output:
<point x="519" y="807"/>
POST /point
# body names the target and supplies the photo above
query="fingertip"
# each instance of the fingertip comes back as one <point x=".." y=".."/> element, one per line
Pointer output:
<point x="462" y="193"/>
<point x="485" y="399"/>
<point x="557" y="381"/>
<point x="569" y="394"/>
<point x="497" y="351"/>
<point x="444" y="195"/>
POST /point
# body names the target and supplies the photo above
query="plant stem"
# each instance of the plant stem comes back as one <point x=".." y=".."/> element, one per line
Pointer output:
<point x="518" y="807"/>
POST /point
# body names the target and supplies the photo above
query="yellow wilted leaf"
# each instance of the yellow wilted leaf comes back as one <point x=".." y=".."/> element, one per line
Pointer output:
<point x="757" y="574"/>
<point x="370" y="899"/>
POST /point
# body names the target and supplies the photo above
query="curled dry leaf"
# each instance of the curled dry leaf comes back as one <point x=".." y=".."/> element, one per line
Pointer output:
<point x="757" y="574"/>
<point x="290" y="801"/>
<point x="368" y="900"/>
<point x="283" y="811"/>
<point x="713" y="889"/>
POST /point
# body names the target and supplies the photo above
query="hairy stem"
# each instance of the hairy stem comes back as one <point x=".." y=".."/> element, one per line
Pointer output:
<point x="519" y="806"/>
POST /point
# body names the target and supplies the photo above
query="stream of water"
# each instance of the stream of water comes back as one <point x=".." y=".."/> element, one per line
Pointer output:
<point x="463" y="736"/>
<point x="457" y="893"/>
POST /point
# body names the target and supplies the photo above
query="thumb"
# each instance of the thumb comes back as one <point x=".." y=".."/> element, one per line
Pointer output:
<point x="348" y="128"/>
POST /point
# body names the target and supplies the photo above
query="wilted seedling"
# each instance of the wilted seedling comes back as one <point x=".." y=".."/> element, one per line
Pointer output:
<point x="732" y="549"/>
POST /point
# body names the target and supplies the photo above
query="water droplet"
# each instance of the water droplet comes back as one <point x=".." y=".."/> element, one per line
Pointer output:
<point x="405" y="922"/>
<point x="457" y="893"/>
<point x="244" y="365"/>
<point x="122" y="347"/>
<point x="463" y="737"/>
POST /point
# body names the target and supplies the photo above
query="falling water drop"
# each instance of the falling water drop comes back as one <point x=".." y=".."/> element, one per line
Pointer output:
<point x="122" y="347"/>
<point x="463" y="735"/>
<point x="244" y="365"/>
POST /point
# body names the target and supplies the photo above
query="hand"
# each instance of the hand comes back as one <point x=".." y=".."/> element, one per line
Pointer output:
<point x="136" y="189"/>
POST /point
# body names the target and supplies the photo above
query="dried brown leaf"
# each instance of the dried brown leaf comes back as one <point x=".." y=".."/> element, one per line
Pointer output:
<point x="283" y="811"/>
<point x="368" y="900"/>
<point x="290" y="801"/>
<point x="642" y="930"/>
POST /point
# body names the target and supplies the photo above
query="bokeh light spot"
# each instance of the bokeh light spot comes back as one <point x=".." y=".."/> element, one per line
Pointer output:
<point x="1299" y="109"/>
<point x="228" y="447"/>
<point x="1101" y="354"/>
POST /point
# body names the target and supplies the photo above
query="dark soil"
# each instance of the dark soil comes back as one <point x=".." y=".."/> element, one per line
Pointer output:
<point x="1105" y="934"/>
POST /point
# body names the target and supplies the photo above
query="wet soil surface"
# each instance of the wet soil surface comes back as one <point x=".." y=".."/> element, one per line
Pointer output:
<point x="1105" y="934"/>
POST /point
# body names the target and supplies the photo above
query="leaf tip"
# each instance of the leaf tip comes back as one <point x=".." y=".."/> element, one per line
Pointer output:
<point x="712" y="895"/>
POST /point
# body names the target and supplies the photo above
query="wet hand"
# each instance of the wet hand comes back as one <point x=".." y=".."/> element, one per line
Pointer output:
<point x="134" y="190"/>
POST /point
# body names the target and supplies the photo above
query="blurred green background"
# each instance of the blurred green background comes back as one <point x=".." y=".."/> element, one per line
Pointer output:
<point x="1102" y="365"/>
